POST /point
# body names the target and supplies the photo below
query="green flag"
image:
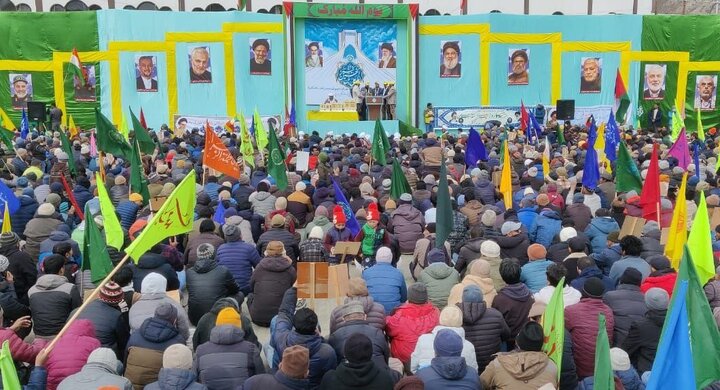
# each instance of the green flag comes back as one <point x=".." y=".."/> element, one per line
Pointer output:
<point x="627" y="176"/>
<point x="700" y="128"/>
<point x="138" y="182"/>
<point x="109" y="140"/>
<point x="604" y="379"/>
<point x="114" y="235"/>
<point x="380" y="144"/>
<point x="246" y="146"/>
<point x="677" y="122"/>
<point x="553" y="323"/>
<point x="7" y="367"/>
<point x="261" y="136"/>
<point x="444" y="212"/>
<point x="399" y="184"/>
<point x="276" y="161"/>
<point x="561" y="135"/>
<point x="704" y="335"/>
<point x="95" y="253"/>
<point x="145" y="142"/>
<point x="407" y="130"/>
<point x="6" y="136"/>
<point x="67" y="148"/>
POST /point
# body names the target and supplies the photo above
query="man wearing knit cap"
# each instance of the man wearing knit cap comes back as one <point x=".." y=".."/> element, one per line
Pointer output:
<point x="359" y="370"/>
<point x="279" y="232"/>
<point x="406" y="223"/>
<point x="644" y="335"/>
<point x="290" y="222"/>
<point x="627" y="303"/>
<point x="662" y="275"/>
<point x="448" y="369"/>
<point x="120" y="191"/>
<point x="484" y="326"/>
<point x="227" y="360"/>
<point x="513" y="242"/>
<point x="581" y="321"/>
<point x="439" y="278"/>
<point x="312" y="249"/>
<point x="385" y="283"/>
<point x="320" y="219"/>
<point x="358" y="292"/>
<point x="451" y="318"/>
<point x="409" y="321"/>
<point x="291" y="374"/>
<point x="109" y="315"/>
<point x="102" y="369"/>
<point x="355" y="321"/>
<point x="301" y="328"/>
<point x="299" y="204"/>
<point x="176" y="369"/>
<point x="527" y="367"/>
<point x="207" y="282"/>
<point x="21" y="265"/>
<point x="533" y="273"/>
<point x="39" y="228"/>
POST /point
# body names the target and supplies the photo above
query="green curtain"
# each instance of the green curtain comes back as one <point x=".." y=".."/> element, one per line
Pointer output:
<point x="693" y="34"/>
<point x="35" y="36"/>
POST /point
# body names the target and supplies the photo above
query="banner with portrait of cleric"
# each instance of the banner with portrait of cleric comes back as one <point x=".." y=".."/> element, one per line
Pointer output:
<point x="342" y="55"/>
<point x="260" y="57"/>
<point x="450" y="60"/>
<point x="21" y="90"/>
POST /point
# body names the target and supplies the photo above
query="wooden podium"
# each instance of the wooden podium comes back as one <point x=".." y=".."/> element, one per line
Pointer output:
<point x="374" y="107"/>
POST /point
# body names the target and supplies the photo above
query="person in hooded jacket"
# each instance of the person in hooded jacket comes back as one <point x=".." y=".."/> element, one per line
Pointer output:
<point x="359" y="370"/>
<point x="26" y="212"/>
<point x="470" y="250"/>
<point x="207" y="282"/>
<point x="154" y="288"/>
<point x="102" y="369"/>
<point x="300" y="328"/>
<point x="385" y="283"/>
<point x="547" y="225"/>
<point x="484" y="326"/>
<point x="513" y="243"/>
<point x="579" y="212"/>
<point x="238" y="256"/>
<point x="358" y="292"/>
<point x="207" y="236"/>
<point x="241" y="193"/>
<point x="291" y="374"/>
<point x="52" y="298"/>
<point x="207" y="322"/>
<point x="410" y="321"/>
<point x="299" y="204"/>
<point x="450" y="318"/>
<point x="642" y="340"/>
<point x="528" y="212"/>
<point x="127" y="210"/>
<point x="587" y="269"/>
<point x="406" y="224"/>
<point x="62" y="234"/>
<point x="278" y="231"/>
<point x="662" y="275"/>
<point x="448" y="369"/>
<point x="525" y="368"/>
<point x="109" y="315"/>
<point x="514" y="300"/>
<point x="176" y="372"/>
<point x="609" y="254"/>
<point x="272" y="277"/>
<point x="533" y="273"/>
<point x="478" y="275"/>
<point x="439" y="278"/>
<point x="627" y="303"/>
<point x="599" y="228"/>
<point x="71" y="352"/>
<point x="21" y="266"/>
<point x="39" y="228"/>
<point x="154" y="263"/>
<point x="355" y="321"/>
<point x="261" y="200"/>
<point x="227" y="360"/>
<point x="320" y="219"/>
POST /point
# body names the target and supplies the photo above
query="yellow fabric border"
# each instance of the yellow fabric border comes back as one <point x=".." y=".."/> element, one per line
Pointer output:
<point x="138" y="46"/>
<point x="257" y="27"/>
<point x="596" y="46"/>
<point x="626" y="57"/>
<point x="450" y="29"/>
<point x="30" y="66"/>
<point x="524" y="38"/>
<point x="684" y="69"/>
<point x="59" y="58"/>
<point x="197" y="36"/>
<point x="339" y="116"/>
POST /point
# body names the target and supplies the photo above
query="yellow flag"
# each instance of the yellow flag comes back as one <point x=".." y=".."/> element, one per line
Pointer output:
<point x="677" y="122"/>
<point x="677" y="236"/>
<point x="114" y="235"/>
<point x="600" y="147"/>
<point x="506" y="178"/>
<point x="699" y="243"/>
<point x="546" y="159"/>
<point x="246" y="146"/>
<point x="5" y="121"/>
<point x="700" y="128"/>
<point x="71" y="127"/>
<point x="123" y="129"/>
<point x="6" y="225"/>
<point x="174" y="217"/>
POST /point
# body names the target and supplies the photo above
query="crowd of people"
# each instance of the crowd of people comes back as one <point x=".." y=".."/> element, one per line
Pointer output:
<point x="463" y="314"/>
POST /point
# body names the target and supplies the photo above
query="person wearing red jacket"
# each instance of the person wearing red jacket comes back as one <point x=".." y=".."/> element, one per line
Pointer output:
<point x="409" y="321"/>
<point x="662" y="275"/>
<point x="19" y="349"/>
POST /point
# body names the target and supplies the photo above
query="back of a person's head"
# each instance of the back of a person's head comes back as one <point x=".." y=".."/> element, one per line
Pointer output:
<point x="585" y="262"/>
<point x="631" y="246"/>
<point x="53" y="264"/>
<point x="554" y="273"/>
<point x="207" y="226"/>
<point x="61" y="248"/>
<point x="577" y="245"/>
<point x="305" y="321"/>
<point x="510" y="271"/>
<point x="476" y="231"/>
<point x="123" y="276"/>
<point x="153" y="283"/>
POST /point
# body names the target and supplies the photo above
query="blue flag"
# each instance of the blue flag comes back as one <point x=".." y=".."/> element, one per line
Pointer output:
<point x="475" y="149"/>
<point x="219" y="216"/>
<point x="292" y="115"/>
<point x="612" y="138"/>
<point x="24" y="125"/>
<point x="536" y="130"/>
<point x="696" y="160"/>
<point x="7" y="195"/>
<point x="351" y="222"/>
<point x="673" y="366"/>
<point x="591" y="171"/>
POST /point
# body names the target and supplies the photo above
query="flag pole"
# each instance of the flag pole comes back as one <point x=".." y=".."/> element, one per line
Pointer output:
<point x="87" y="302"/>
<point x="204" y="169"/>
<point x="657" y="210"/>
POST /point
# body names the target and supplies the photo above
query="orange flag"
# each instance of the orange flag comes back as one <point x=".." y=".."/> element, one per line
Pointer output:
<point x="217" y="156"/>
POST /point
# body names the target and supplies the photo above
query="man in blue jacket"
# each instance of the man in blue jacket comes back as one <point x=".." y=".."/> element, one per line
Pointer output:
<point x="385" y="283"/>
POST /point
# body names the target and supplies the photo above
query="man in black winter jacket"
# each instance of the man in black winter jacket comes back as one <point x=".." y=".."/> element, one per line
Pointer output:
<point x="354" y="321"/>
<point x="21" y="265"/>
<point x="207" y="282"/>
<point x="52" y="298"/>
<point x="484" y="326"/>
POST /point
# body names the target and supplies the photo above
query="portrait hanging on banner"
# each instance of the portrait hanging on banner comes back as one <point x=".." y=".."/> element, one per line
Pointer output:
<point x="260" y="56"/>
<point x="450" y="60"/>
<point x="705" y="92"/>
<point x="654" y="84"/>
<point x="200" y="64"/>
<point x="590" y="75"/>
<point x="340" y="53"/>
<point x="21" y="90"/>
<point x="518" y="67"/>
<point x="314" y="55"/>
<point x="146" y="73"/>
<point x="85" y="91"/>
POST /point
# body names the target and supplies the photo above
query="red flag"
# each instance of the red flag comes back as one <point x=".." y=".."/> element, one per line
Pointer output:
<point x="217" y="156"/>
<point x="287" y="126"/>
<point x="142" y="119"/>
<point x="650" y="195"/>
<point x="71" y="196"/>
<point x="524" y="120"/>
<point x="619" y="86"/>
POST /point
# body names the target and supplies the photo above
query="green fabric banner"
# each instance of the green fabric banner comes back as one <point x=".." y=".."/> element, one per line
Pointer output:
<point x="34" y="36"/>
<point x="681" y="33"/>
